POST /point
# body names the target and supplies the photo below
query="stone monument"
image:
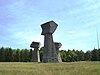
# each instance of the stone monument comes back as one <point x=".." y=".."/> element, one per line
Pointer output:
<point x="49" y="54"/>
<point x="58" y="45"/>
<point x="36" y="57"/>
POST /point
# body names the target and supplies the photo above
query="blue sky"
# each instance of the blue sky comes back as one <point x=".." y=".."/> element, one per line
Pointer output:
<point x="77" y="20"/>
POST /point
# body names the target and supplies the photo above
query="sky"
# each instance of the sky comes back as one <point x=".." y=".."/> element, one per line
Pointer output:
<point x="20" y="22"/>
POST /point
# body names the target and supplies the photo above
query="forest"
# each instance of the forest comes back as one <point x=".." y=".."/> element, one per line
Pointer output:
<point x="25" y="55"/>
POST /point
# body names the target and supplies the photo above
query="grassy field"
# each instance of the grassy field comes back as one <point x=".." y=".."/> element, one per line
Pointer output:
<point x="73" y="68"/>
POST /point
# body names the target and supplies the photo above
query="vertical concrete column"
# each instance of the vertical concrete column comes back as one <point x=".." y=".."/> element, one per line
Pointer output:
<point x="49" y="54"/>
<point x="58" y="45"/>
<point x="36" y="56"/>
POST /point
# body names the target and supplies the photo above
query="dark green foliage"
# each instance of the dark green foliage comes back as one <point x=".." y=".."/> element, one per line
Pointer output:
<point x="99" y="54"/>
<point x="25" y="55"/>
<point x="75" y="55"/>
<point x="72" y="55"/>
<point x="41" y="53"/>
<point x="9" y="55"/>
<point x="87" y="56"/>
<point x="2" y="54"/>
<point x="15" y="55"/>
<point x="22" y="55"/>
<point x="63" y="55"/>
<point x="30" y="55"/>
<point x="81" y="55"/>
<point x="95" y="55"/>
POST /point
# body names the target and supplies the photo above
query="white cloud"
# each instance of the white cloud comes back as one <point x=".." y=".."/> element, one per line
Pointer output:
<point x="85" y="7"/>
<point x="93" y="6"/>
<point x="72" y="32"/>
<point x="78" y="34"/>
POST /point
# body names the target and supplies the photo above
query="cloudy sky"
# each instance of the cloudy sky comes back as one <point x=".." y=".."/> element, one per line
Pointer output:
<point x="77" y="21"/>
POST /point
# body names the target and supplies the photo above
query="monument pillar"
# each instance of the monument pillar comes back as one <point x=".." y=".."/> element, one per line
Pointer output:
<point x="35" y="56"/>
<point x="49" y="54"/>
<point x="58" y="45"/>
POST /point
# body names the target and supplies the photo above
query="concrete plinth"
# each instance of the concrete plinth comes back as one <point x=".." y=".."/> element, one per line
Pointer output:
<point x="36" y="56"/>
<point x="58" y="45"/>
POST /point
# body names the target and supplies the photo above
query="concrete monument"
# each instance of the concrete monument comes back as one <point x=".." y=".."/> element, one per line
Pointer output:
<point x="36" y="57"/>
<point x="49" y="54"/>
<point x="58" y="45"/>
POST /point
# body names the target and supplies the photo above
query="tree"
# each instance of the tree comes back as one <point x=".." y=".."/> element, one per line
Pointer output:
<point x="16" y="55"/>
<point x="63" y="55"/>
<point x="87" y="56"/>
<point x="31" y="55"/>
<point x="41" y="53"/>
<point x="6" y="54"/>
<point x="2" y="54"/>
<point x="10" y="56"/>
<point x="26" y="55"/>
<point x="71" y="56"/>
<point x="95" y="55"/>
<point x="22" y="55"/>
<point x="80" y="55"/>
<point x="99" y="53"/>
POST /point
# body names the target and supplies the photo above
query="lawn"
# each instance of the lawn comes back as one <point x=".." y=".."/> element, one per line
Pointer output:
<point x="65" y="68"/>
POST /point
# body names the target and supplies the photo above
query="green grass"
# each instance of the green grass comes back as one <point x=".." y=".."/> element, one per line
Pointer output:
<point x="71" y="68"/>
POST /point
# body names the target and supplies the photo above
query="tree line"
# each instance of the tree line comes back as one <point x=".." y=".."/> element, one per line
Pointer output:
<point x="15" y="55"/>
<point x="75" y="55"/>
<point x="25" y="55"/>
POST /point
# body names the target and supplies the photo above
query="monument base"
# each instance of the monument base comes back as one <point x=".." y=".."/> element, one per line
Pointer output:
<point x="49" y="54"/>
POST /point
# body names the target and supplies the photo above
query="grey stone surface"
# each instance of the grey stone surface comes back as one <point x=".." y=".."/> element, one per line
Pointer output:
<point x="49" y="27"/>
<point x="36" y="56"/>
<point x="49" y="54"/>
<point x="57" y="46"/>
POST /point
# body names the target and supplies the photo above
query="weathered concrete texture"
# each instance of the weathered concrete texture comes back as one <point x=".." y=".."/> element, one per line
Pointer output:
<point x="58" y="45"/>
<point x="49" y="27"/>
<point x="49" y="54"/>
<point x="36" y="56"/>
